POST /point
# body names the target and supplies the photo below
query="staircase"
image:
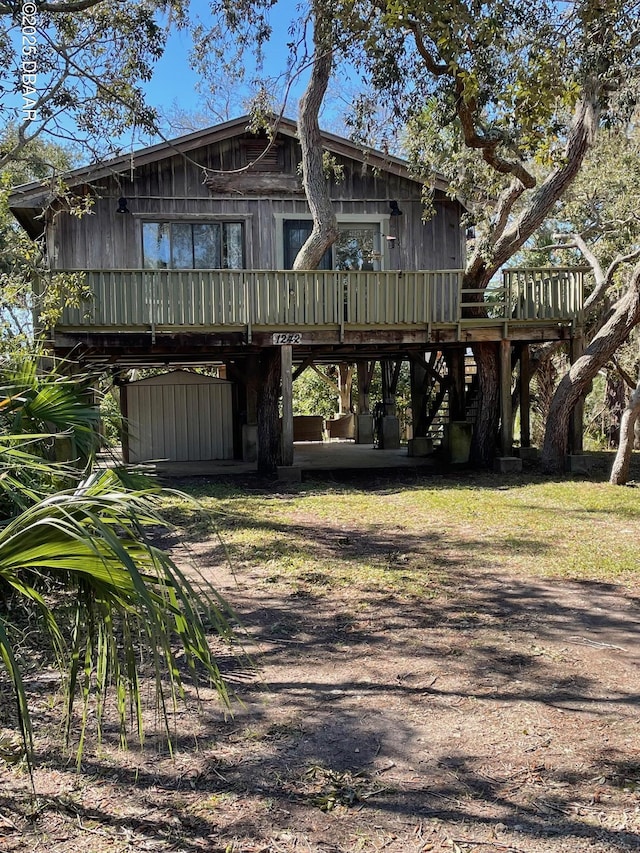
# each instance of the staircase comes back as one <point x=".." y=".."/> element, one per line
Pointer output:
<point x="438" y="394"/>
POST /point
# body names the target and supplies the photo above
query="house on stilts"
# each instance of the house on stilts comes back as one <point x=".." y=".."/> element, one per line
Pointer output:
<point x="188" y="249"/>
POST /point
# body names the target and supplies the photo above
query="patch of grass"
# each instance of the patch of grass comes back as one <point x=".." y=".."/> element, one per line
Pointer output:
<point x="415" y="540"/>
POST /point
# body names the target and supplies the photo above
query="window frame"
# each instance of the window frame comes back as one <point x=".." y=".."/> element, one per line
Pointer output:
<point x="192" y="221"/>
<point x="345" y="220"/>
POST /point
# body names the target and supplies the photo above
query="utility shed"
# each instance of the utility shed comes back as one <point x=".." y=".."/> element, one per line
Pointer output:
<point x="180" y="417"/>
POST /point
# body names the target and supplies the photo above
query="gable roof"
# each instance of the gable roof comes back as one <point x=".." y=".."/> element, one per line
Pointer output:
<point x="37" y="194"/>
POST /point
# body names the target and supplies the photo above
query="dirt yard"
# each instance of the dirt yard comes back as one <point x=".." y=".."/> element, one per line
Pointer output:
<point x="495" y="713"/>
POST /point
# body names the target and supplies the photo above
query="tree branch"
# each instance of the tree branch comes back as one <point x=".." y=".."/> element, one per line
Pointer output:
<point x="580" y="138"/>
<point x="466" y="109"/>
<point x="438" y="69"/>
<point x="328" y="382"/>
<point x="70" y="6"/>
<point x="505" y="205"/>
<point x="623" y="373"/>
<point x="325" y="226"/>
<point x="619" y="260"/>
<point x="603" y="279"/>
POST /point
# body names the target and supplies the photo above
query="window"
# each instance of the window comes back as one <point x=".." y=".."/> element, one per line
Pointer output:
<point x="192" y="245"/>
<point x="358" y="246"/>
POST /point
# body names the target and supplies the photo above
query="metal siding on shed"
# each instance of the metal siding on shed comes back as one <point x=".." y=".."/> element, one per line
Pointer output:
<point x="180" y="417"/>
<point x="182" y="424"/>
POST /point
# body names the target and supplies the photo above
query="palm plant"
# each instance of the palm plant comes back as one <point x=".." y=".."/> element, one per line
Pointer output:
<point x="33" y="400"/>
<point x="81" y="559"/>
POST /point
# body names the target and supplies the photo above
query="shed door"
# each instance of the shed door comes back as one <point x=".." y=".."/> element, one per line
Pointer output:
<point x="180" y="422"/>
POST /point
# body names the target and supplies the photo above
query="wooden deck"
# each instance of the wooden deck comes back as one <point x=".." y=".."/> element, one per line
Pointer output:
<point x="214" y="308"/>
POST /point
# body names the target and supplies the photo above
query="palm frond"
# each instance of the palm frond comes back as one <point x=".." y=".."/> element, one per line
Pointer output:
<point x="48" y="401"/>
<point x="127" y="593"/>
<point x="25" y="477"/>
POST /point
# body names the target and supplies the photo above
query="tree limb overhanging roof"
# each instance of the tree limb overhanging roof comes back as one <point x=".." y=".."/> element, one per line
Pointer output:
<point x="37" y="194"/>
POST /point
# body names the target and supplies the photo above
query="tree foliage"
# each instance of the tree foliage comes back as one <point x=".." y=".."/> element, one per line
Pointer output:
<point x="28" y="289"/>
<point x="90" y="59"/>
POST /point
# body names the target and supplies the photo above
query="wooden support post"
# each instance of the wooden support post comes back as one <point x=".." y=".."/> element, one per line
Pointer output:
<point x="252" y="383"/>
<point x="390" y="438"/>
<point x="286" y="363"/>
<point x="268" y="450"/>
<point x="364" y="384"/>
<point x="124" y="415"/>
<point x="388" y="390"/>
<point x="455" y="365"/>
<point x="364" y="418"/>
<point x="525" y="396"/>
<point x="576" y="425"/>
<point x="506" y="414"/>
<point x="246" y="375"/>
<point x="418" y="374"/>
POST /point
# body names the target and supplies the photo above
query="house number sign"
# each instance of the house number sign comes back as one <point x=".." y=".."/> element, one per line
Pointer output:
<point x="280" y="338"/>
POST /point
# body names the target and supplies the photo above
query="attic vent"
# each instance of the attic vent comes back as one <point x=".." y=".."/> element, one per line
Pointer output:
<point x="272" y="161"/>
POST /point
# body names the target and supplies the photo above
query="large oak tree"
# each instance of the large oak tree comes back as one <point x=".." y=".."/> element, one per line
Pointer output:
<point x="504" y="98"/>
<point x="598" y="221"/>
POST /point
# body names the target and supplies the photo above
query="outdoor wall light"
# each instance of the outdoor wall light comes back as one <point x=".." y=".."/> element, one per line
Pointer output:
<point x="122" y="205"/>
<point x="395" y="210"/>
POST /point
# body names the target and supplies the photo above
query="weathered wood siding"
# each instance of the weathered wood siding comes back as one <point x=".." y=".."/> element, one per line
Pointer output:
<point x="174" y="188"/>
<point x="180" y="417"/>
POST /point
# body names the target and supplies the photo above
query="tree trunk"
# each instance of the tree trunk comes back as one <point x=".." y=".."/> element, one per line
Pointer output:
<point x="501" y="245"/>
<point x="365" y="371"/>
<point x="511" y="234"/>
<point x="483" y="445"/>
<point x="625" y="316"/>
<point x="345" y="382"/>
<point x="622" y="462"/>
<point x="268" y="412"/>
<point x="546" y="373"/>
<point x="314" y="180"/>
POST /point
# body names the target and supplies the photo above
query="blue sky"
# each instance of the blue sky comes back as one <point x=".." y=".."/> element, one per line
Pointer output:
<point x="174" y="81"/>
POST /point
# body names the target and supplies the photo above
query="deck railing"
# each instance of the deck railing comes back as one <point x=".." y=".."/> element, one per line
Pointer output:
<point x="283" y="298"/>
<point x="545" y="293"/>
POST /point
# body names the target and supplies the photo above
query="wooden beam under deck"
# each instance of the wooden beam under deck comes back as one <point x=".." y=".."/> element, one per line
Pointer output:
<point x="320" y="344"/>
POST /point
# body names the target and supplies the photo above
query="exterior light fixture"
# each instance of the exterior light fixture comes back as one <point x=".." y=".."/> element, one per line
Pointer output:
<point x="122" y="205"/>
<point x="395" y="210"/>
